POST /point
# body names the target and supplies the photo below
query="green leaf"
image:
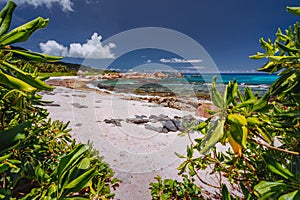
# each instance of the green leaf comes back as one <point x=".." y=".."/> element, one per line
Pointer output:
<point x="22" y="33"/>
<point x="277" y="86"/>
<point x="70" y="159"/>
<point x="84" y="164"/>
<point x="217" y="98"/>
<point x="191" y="169"/>
<point x="263" y="133"/>
<point x="182" y="167"/>
<point x="261" y="103"/>
<point x="15" y="83"/>
<point x="4" y="167"/>
<point x="238" y="134"/>
<point x="277" y="168"/>
<point x="225" y="194"/>
<point x="246" y="193"/>
<point x="5" y="16"/>
<point x="2" y="158"/>
<point x="80" y="182"/>
<point x="231" y="92"/>
<point x="11" y="136"/>
<point x="258" y="56"/>
<point x="290" y="196"/>
<point x="253" y="121"/>
<point x="287" y="49"/>
<point x="266" y="46"/>
<point x="268" y="67"/>
<point x="293" y="10"/>
<point x="200" y="126"/>
<point x="214" y="135"/>
<point x="267" y="190"/>
<point x="35" y="56"/>
<point x="293" y="114"/>
<point x="237" y="119"/>
<point x="28" y="78"/>
<point x="282" y="58"/>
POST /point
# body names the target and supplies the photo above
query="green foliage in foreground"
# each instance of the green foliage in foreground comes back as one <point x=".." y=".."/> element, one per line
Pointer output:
<point x="38" y="157"/>
<point x="263" y="161"/>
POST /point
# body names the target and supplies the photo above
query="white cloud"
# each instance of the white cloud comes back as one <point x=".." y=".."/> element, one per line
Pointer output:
<point x="179" y="60"/>
<point x="51" y="47"/>
<point x="92" y="49"/>
<point x="149" y="61"/>
<point x="66" y="5"/>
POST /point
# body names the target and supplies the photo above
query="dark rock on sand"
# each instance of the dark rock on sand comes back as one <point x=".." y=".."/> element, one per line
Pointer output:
<point x="137" y="120"/>
<point x="170" y="126"/>
<point x="154" y="128"/>
<point x="140" y="116"/>
<point x="116" y="122"/>
<point x="79" y="95"/>
<point x="178" y="124"/>
<point x="77" y="105"/>
<point x="154" y="118"/>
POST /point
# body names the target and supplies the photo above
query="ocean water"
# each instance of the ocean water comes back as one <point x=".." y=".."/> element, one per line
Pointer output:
<point x="191" y="85"/>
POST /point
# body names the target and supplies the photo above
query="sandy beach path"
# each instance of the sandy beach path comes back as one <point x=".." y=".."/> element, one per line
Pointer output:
<point x="136" y="154"/>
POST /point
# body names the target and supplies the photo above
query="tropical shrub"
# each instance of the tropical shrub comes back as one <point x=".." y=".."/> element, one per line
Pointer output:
<point x="38" y="157"/>
<point x="263" y="133"/>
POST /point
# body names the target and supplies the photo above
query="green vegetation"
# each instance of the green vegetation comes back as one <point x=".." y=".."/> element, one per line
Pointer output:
<point x="58" y="68"/>
<point x="38" y="157"/>
<point x="263" y="132"/>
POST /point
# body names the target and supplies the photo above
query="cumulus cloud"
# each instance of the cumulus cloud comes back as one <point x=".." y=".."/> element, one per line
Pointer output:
<point x="179" y="60"/>
<point x="51" y="47"/>
<point x="92" y="49"/>
<point x="66" y="5"/>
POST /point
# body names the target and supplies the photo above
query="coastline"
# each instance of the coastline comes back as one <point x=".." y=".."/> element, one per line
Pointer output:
<point x="136" y="154"/>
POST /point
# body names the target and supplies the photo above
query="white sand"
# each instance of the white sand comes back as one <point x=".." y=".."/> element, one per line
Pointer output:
<point x="136" y="154"/>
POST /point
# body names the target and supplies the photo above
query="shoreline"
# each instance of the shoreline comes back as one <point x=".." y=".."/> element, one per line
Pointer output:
<point x="189" y="104"/>
<point x="130" y="133"/>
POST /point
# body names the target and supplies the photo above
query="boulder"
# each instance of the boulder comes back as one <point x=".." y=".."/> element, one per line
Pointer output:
<point x="158" y="129"/>
<point x="178" y="124"/>
<point x="137" y="120"/>
<point x="170" y="126"/>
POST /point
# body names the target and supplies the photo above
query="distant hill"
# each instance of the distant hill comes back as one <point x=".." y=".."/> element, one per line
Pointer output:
<point x="56" y="67"/>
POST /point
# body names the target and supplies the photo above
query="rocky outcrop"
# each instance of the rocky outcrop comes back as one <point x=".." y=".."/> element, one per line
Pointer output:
<point x="68" y="83"/>
<point x="109" y="76"/>
<point x="171" y="102"/>
<point x="139" y="75"/>
<point x="164" y="124"/>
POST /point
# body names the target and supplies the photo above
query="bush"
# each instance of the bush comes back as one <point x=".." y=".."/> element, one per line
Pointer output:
<point x="38" y="157"/>
<point x="263" y="132"/>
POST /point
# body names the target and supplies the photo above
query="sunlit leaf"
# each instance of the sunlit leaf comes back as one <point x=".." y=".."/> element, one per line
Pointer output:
<point x="214" y="135"/>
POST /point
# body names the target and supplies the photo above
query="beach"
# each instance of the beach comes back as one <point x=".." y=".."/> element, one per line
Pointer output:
<point x="134" y="136"/>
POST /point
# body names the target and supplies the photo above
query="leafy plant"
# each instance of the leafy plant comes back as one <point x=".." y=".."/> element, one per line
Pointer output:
<point x="38" y="157"/>
<point x="172" y="189"/>
<point x="262" y="132"/>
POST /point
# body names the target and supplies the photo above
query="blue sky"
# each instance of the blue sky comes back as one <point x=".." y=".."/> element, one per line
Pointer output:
<point x="228" y="30"/>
